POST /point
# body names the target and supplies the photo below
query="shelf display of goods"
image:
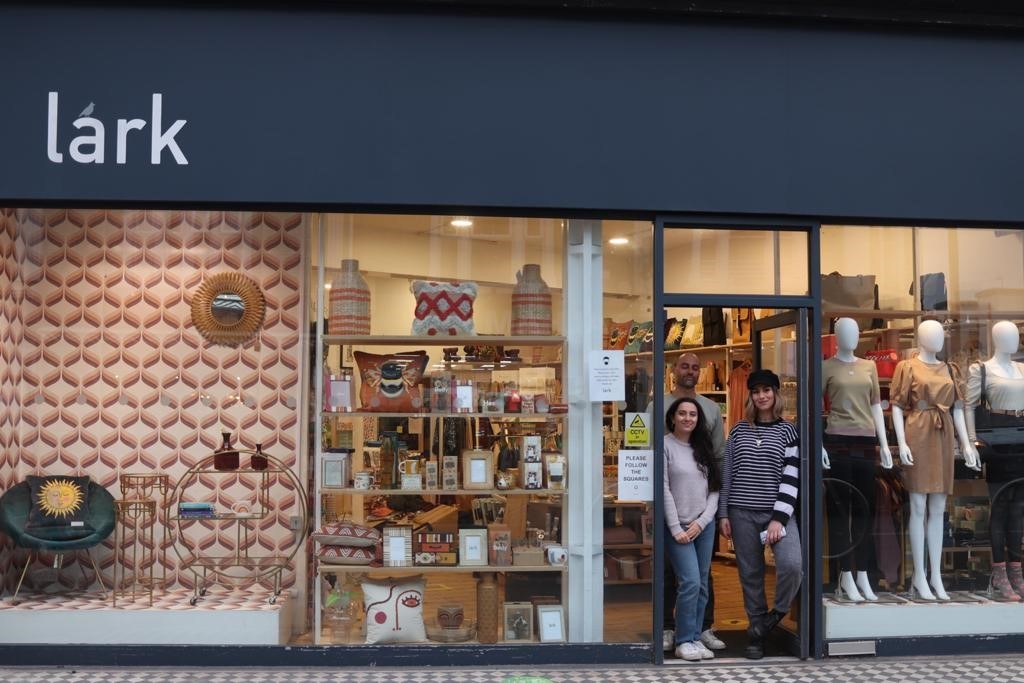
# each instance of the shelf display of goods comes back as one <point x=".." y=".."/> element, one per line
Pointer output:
<point x="531" y="303"/>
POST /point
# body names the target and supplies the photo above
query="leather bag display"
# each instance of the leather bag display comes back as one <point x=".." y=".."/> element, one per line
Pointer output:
<point x="713" y="320"/>
<point x="742" y="323"/>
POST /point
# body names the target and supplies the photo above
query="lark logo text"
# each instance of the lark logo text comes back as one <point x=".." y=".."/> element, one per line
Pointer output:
<point x="90" y="146"/>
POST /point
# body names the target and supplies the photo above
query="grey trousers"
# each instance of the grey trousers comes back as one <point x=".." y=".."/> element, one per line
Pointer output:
<point x="747" y="526"/>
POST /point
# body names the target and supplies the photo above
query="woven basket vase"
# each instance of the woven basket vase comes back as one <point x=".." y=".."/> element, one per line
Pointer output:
<point x="349" y="301"/>
<point x="487" y="608"/>
<point x="531" y="303"/>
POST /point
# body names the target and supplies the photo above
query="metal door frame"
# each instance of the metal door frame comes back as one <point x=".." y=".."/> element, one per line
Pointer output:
<point x="811" y="635"/>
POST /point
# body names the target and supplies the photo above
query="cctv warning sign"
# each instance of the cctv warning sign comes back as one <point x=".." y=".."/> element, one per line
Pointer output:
<point x="638" y="431"/>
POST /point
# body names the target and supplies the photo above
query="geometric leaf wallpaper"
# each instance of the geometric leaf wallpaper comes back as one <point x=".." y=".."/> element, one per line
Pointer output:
<point x="103" y="371"/>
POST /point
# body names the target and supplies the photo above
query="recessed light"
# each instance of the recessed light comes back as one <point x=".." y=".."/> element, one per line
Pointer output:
<point x="619" y="240"/>
<point x="327" y="286"/>
<point x="461" y="222"/>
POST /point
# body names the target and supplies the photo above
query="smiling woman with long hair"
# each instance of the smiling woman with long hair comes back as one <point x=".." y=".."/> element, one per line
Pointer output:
<point x="691" y="500"/>
<point x="760" y="483"/>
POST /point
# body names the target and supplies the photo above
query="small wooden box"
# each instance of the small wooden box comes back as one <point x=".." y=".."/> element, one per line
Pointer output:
<point x="528" y="557"/>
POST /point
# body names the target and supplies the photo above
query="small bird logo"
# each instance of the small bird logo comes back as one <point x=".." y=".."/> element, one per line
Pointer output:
<point x="88" y="110"/>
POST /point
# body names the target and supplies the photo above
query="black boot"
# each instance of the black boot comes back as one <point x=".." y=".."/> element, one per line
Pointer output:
<point x="761" y="629"/>
<point x="755" y="650"/>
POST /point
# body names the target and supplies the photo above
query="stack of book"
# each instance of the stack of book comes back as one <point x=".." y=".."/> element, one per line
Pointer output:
<point x="195" y="510"/>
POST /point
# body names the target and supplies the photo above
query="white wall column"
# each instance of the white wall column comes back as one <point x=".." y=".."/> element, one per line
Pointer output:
<point x="582" y="324"/>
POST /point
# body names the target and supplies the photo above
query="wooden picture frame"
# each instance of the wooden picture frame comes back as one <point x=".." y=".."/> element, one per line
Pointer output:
<point x="517" y="625"/>
<point x="397" y="541"/>
<point x="473" y="547"/>
<point x="551" y="623"/>
<point x="477" y="469"/>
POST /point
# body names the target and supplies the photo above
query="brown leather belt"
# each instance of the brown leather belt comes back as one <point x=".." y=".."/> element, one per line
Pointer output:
<point x="1011" y="413"/>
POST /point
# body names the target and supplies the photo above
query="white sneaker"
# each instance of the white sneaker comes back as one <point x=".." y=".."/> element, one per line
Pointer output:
<point x="668" y="639"/>
<point x="704" y="652"/>
<point x="689" y="652"/>
<point x="711" y="641"/>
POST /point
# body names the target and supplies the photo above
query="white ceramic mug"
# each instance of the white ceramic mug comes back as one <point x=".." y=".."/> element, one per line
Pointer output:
<point x="364" y="480"/>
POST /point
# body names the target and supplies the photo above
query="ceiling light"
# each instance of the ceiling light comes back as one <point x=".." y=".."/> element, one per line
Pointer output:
<point x="619" y="240"/>
<point x="461" y="222"/>
<point x="327" y="286"/>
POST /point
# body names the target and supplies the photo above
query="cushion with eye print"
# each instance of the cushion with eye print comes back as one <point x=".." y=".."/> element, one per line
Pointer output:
<point x="394" y="610"/>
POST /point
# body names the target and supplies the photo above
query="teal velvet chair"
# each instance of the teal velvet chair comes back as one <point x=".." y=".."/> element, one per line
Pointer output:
<point x="14" y="509"/>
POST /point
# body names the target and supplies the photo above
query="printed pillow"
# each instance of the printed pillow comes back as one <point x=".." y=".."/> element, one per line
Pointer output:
<point x="443" y="308"/>
<point x="638" y="333"/>
<point x="60" y="507"/>
<point x="347" y="534"/>
<point x="340" y="554"/>
<point x="391" y="382"/>
<point x="394" y="610"/>
<point x="674" y="333"/>
<point x="618" y="333"/>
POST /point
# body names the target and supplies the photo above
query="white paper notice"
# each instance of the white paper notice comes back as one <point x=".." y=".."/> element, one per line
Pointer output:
<point x="607" y="376"/>
<point x="478" y="471"/>
<point x="474" y="549"/>
<point x="636" y="475"/>
<point x="396" y="550"/>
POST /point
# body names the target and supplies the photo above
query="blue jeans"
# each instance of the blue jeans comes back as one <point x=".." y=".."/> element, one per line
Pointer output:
<point x="691" y="562"/>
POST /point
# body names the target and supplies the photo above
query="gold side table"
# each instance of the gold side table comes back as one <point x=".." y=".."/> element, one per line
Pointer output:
<point x="138" y="516"/>
<point x="146" y="486"/>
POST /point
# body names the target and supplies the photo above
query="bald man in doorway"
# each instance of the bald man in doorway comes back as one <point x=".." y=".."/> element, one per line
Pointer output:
<point x="686" y="371"/>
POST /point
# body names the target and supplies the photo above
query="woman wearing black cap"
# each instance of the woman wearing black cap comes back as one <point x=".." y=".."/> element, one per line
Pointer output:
<point x="760" y="482"/>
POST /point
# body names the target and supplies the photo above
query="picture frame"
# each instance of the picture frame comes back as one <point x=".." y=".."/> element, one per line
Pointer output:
<point x="551" y="623"/>
<point x="336" y="470"/>
<point x="477" y="469"/>
<point x="339" y="394"/>
<point x="518" y="622"/>
<point x="646" y="528"/>
<point x="473" y="547"/>
<point x="397" y="541"/>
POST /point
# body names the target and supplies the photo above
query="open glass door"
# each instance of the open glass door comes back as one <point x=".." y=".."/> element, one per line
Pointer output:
<point x="781" y="343"/>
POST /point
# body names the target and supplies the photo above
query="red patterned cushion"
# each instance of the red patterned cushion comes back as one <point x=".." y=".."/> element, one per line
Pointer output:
<point x="340" y="554"/>
<point x="347" y="534"/>
<point x="444" y="308"/>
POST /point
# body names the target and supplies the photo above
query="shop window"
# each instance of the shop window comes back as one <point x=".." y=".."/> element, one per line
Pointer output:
<point x="916" y="315"/>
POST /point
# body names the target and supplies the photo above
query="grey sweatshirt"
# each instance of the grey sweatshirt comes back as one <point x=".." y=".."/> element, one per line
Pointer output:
<point x="686" y="489"/>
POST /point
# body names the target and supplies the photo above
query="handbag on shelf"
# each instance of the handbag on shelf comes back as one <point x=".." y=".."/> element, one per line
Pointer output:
<point x="713" y="320"/>
<point x="850" y="292"/>
<point x="742" y="320"/>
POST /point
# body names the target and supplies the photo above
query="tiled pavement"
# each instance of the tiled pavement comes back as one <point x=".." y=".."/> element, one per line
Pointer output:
<point x="996" y="669"/>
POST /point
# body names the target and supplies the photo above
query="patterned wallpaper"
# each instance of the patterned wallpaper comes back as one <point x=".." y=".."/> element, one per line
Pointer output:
<point x="113" y="377"/>
<point x="10" y="363"/>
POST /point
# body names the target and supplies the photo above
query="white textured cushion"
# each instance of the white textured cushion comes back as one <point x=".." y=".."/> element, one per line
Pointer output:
<point x="443" y="308"/>
<point x="394" y="610"/>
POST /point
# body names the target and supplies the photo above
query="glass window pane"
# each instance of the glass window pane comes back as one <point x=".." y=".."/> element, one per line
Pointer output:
<point x="716" y="261"/>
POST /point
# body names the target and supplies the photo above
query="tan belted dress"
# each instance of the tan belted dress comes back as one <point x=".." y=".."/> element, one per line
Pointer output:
<point x="926" y="392"/>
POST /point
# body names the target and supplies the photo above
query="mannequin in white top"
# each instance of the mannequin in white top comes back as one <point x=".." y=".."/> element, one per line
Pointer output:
<point x="1004" y="393"/>
<point x="926" y="508"/>
<point x="851" y="385"/>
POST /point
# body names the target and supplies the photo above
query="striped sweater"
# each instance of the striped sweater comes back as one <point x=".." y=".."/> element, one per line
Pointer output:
<point x="765" y="476"/>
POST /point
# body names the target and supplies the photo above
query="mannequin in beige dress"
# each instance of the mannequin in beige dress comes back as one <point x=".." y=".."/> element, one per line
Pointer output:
<point x="927" y="506"/>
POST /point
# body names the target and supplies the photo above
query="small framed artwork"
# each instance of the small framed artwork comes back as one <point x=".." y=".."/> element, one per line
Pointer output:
<point x="477" y="469"/>
<point x="449" y="472"/>
<point x="531" y="448"/>
<point x="518" y="622"/>
<point x="430" y="469"/>
<point x="338" y="394"/>
<point x="398" y="546"/>
<point x="647" y="529"/>
<point x="336" y="469"/>
<point x="473" y="547"/>
<point x="554" y="463"/>
<point x="551" y="623"/>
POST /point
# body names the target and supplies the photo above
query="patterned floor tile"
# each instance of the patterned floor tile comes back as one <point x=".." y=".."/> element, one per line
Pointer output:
<point x="911" y="670"/>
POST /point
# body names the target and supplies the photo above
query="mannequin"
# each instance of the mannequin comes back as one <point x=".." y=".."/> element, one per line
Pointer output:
<point x="1004" y="455"/>
<point x="924" y="392"/>
<point x="856" y="426"/>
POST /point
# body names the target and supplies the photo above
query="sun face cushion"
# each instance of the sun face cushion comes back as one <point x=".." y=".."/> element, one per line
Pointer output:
<point x="347" y="534"/>
<point x="340" y="554"/>
<point x="443" y="308"/>
<point x="60" y="507"/>
<point x="390" y="382"/>
<point x="394" y="610"/>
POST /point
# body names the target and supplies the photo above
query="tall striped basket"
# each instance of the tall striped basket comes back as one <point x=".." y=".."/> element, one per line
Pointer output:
<point x="350" y="301"/>
<point x="531" y="303"/>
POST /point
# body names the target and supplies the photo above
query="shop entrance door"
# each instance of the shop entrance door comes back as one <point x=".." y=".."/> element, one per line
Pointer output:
<point x="741" y="298"/>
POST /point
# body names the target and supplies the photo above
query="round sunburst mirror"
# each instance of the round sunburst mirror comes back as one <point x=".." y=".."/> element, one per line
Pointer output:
<point x="228" y="308"/>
